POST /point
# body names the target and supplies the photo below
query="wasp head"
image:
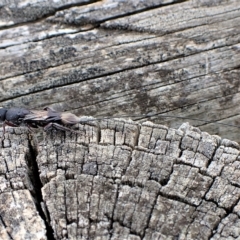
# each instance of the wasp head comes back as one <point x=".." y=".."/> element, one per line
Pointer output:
<point x="3" y="112"/>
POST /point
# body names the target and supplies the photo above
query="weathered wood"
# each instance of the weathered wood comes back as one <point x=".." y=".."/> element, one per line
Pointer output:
<point x="117" y="179"/>
<point x="19" y="203"/>
<point x="12" y="12"/>
<point x="117" y="58"/>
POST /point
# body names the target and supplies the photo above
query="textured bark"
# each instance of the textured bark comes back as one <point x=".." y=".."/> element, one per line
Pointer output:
<point x="111" y="58"/>
<point x="117" y="179"/>
<point x="19" y="186"/>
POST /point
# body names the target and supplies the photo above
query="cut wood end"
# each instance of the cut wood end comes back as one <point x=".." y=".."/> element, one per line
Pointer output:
<point x="135" y="173"/>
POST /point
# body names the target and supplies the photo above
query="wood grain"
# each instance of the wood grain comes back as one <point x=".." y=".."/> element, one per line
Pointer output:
<point x="123" y="58"/>
<point x="118" y="179"/>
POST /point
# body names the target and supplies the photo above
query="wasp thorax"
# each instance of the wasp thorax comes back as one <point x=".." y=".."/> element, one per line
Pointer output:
<point x="16" y="115"/>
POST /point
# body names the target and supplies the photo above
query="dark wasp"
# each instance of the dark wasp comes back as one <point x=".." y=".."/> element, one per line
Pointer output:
<point x="47" y="118"/>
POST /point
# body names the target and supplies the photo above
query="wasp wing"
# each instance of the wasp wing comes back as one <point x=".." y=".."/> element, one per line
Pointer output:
<point x="42" y="116"/>
<point x="69" y="118"/>
<point x="66" y="118"/>
<point x="50" y="115"/>
<point x="36" y="115"/>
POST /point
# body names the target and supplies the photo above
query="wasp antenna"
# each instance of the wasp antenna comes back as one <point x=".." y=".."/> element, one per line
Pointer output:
<point x="141" y="117"/>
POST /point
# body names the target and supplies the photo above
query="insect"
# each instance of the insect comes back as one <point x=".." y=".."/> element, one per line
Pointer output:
<point x="13" y="116"/>
<point x="47" y="118"/>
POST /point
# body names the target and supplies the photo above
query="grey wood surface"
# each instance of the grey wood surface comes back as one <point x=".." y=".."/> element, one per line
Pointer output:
<point x="118" y="179"/>
<point x="111" y="58"/>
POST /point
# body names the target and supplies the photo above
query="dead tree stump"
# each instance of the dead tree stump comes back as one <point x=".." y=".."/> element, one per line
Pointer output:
<point x="116" y="179"/>
<point x="128" y="57"/>
<point x="119" y="179"/>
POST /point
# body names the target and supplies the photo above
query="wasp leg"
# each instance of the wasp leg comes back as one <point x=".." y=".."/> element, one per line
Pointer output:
<point x="4" y="127"/>
<point x="30" y="126"/>
<point x="3" y="135"/>
<point x="11" y="124"/>
<point x="50" y="126"/>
